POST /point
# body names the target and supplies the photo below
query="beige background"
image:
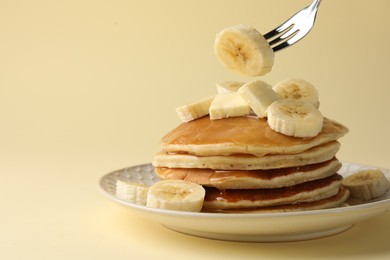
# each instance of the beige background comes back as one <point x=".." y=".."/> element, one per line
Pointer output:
<point x="88" y="87"/>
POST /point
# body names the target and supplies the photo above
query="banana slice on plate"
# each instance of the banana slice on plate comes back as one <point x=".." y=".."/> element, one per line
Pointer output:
<point x="367" y="184"/>
<point x="176" y="195"/>
<point x="195" y="109"/>
<point x="297" y="89"/>
<point x="245" y="50"/>
<point x="131" y="191"/>
<point x="295" y="118"/>
<point x="259" y="96"/>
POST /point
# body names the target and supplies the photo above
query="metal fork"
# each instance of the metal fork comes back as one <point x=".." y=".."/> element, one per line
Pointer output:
<point x="294" y="29"/>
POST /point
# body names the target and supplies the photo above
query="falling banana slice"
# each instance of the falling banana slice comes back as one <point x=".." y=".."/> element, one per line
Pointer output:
<point x="367" y="184"/>
<point x="176" y="195"/>
<point x="259" y="96"/>
<point x="298" y="89"/>
<point x="131" y="191"/>
<point x="294" y="118"/>
<point x="195" y="109"/>
<point x="243" y="49"/>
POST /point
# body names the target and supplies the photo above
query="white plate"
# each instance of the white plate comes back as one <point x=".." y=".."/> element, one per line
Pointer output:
<point x="255" y="227"/>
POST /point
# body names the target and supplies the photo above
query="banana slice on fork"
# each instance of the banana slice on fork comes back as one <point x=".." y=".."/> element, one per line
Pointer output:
<point x="244" y="49"/>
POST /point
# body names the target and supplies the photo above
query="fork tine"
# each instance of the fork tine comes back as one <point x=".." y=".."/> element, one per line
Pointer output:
<point x="283" y="27"/>
<point x="277" y="46"/>
<point x="286" y="35"/>
<point x="278" y="30"/>
<point x="297" y="36"/>
<point x="271" y="34"/>
<point x="280" y="46"/>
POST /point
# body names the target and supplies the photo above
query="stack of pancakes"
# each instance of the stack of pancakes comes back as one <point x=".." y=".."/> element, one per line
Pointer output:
<point x="245" y="166"/>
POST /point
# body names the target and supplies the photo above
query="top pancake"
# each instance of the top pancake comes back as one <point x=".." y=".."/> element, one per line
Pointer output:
<point x="242" y="135"/>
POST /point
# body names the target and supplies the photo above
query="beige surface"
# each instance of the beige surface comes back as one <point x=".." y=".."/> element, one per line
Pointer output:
<point x="87" y="87"/>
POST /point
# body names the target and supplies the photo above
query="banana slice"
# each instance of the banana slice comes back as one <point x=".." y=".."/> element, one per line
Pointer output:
<point x="259" y="96"/>
<point x="228" y="86"/>
<point x="227" y="105"/>
<point x="131" y="191"/>
<point x="176" y="195"/>
<point x="298" y="89"/>
<point x="367" y="184"/>
<point x="295" y="118"/>
<point x="194" y="110"/>
<point x="243" y="49"/>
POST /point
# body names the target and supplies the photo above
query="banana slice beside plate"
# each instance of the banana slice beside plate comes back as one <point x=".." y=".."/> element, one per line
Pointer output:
<point x="131" y="191"/>
<point x="176" y="195"/>
<point x="165" y="194"/>
<point x="367" y="184"/>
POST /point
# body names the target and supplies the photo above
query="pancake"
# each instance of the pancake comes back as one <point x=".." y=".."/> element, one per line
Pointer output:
<point x="242" y="135"/>
<point x="251" y="198"/>
<point x="255" y="179"/>
<point x="337" y="200"/>
<point x="314" y="155"/>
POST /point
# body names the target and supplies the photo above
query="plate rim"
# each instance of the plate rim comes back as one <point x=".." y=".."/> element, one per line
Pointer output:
<point x="337" y="210"/>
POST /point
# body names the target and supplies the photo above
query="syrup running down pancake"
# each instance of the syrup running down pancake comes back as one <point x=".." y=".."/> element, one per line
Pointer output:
<point x="305" y="192"/>
<point x="335" y="201"/>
